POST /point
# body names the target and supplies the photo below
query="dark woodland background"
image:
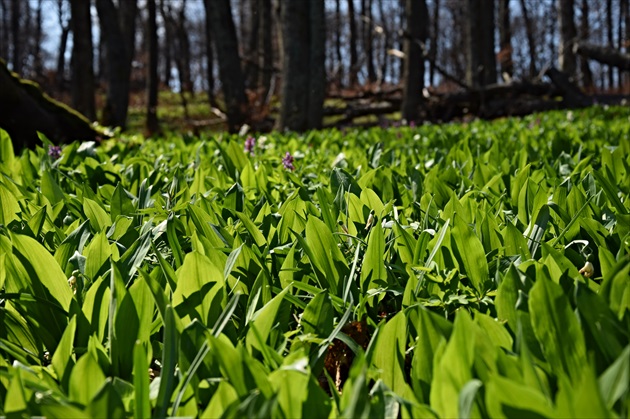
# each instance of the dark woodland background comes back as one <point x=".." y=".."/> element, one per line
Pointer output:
<point x="299" y="65"/>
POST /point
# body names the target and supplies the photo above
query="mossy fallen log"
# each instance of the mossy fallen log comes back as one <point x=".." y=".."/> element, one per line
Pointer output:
<point x="25" y="109"/>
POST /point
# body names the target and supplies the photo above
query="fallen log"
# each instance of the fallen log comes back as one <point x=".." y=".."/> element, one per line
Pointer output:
<point x="25" y="109"/>
<point x="571" y="94"/>
<point x="603" y="54"/>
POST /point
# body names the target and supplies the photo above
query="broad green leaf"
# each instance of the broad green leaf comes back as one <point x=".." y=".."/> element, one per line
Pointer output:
<point x="469" y="250"/>
<point x="86" y="380"/>
<point x="199" y="293"/>
<point x="142" y="407"/>
<point x="555" y="325"/>
<point x="96" y="215"/>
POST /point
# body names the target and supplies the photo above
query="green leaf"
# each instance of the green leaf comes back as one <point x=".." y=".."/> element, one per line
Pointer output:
<point x="614" y="382"/>
<point x="169" y="362"/>
<point x="469" y="250"/>
<point x="508" y="399"/>
<point x="373" y="272"/>
<point x="389" y="354"/>
<point x="142" y="407"/>
<point x="200" y="290"/>
<point x="318" y="316"/>
<point x="86" y="380"/>
<point x="555" y="325"/>
<point x="96" y="215"/>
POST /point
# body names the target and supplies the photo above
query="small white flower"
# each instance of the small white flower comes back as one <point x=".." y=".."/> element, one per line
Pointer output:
<point x="588" y="270"/>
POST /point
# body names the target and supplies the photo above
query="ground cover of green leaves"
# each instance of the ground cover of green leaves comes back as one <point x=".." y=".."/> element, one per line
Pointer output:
<point x="425" y="271"/>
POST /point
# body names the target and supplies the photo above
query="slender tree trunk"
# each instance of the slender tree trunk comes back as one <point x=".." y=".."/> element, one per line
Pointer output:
<point x="61" y="57"/>
<point x="210" y="65"/>
<point x="505" y="39"/>
<point x="165" y="12"/>
<point x="317" y="64"/>
<point x="82" y="62"/>
<point x="183" y="56"/>
<point x="38" y="66"/>
<point x="435" y="31"/>
<point x="15" y="36"/>
<point x="368" y="39"/>
<point x="4" y="30"/>
<point x="338" y="30"/>
<point x="413" y="72"/>
<point x="219" y="14"/>
<point x="609" y="38"/>
<point x="585" y="70"/>
<point x="531" y="44"/>
<point x="568" y="34"/>
<point x="118" y="30"/>
<point x="252" y="64"/>
<point x="266" y="36"/>
<point x="152" y="124"/>
<point x="354" y="60"/>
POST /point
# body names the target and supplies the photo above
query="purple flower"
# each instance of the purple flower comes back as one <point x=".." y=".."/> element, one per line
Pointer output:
<point x="54" y="151"/>
<point x="287" y="161"/>
<point x="250" y="143"/>
<point x="412" y="124"/>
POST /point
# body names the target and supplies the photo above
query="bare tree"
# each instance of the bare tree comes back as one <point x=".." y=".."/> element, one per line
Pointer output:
<point x="368" y="38"/>
<point x="266" y="46"/>
<point x="568" y="34"/>
<point x="118" y="31"/>
<point x="219" y="14"/>
<point x="16" y="56"/>
<point x="413" y="72"/>
<point x="354" y="60"/>
<point x="531" y="44"/>
<point x="585" y="70"/>
<point x="64" y="24"/>
<point x="152" y="123"/>
<point x="82" y="62"/>
<point x="433" y="48"/>
<point x="505" y="39"/>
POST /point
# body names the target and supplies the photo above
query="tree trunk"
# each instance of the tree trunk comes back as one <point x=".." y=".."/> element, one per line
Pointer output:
<point x="252" y="63"/>
<point x="152" y="124"/>
<point x="118" y="30"/>
<point x="4" y="29"/>
<point x="303" y="71"/>
<point x="165" y="12"/>
<point x="609" y="38"/>
<point x="219" y="14"/>
<point x="481" y="64"/>
<point x="354" y="61"/>
<point x="82" y="86"/>
<point x="38" y="66"/>
<point x="210" y="65"/>
<point x="505" y="39"/>
<point x="338" y="30"/>
<point x="604" y="55"/>
<point x="413" y="71"/>
<point x="568" y="34"/>
<point x="61" y="57"/>
<point x="15" y="36"/>
<point x="531" y="44"/>
<point x="317" y="64"/>
<point x="296" y="65"/>
<point x="183" y="54"/>
<point x="368" y="39"/>
<point x="266" y="45"/>
<point x="435" y="31"/>
<point x="585" y="69"/>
